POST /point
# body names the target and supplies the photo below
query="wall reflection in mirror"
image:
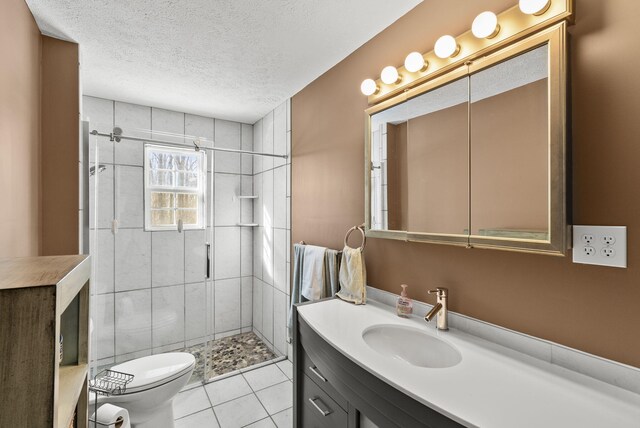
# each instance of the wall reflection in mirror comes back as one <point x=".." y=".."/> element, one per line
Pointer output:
<point x="467" y="158"/>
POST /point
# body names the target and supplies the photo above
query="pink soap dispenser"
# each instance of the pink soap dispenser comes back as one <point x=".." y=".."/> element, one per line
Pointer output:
<point x="404" y="307"/>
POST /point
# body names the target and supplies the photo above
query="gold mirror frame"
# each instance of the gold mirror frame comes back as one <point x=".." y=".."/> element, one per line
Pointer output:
<point x="559" y="235"/>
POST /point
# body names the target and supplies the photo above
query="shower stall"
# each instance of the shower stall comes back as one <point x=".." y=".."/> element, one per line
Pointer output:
<point x="189" y="236"/>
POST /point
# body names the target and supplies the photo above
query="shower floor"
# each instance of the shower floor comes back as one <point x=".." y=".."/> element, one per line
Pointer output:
<point x="228" y="354"/>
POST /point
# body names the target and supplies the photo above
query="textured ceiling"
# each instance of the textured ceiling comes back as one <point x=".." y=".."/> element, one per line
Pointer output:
<point x="232" y="59"/>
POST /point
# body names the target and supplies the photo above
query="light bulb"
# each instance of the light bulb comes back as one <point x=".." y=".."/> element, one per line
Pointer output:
<point x="415" y="62"/>
<point x="485" y="26"/>
<point x="389" y="75"/>
<point x="446" y="47"/>
<point x="368" y="87"/>
<point x="534" y="7"/>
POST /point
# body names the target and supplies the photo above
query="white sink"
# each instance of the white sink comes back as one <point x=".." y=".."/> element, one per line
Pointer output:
<point x="412" y="345"/>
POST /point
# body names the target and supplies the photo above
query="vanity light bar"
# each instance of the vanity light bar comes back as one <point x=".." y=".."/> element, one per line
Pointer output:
<point x="489" y="32"/>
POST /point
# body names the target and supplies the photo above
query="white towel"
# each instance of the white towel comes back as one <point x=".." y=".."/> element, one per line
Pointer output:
<point x="313" y="273"/>
<point x="353" y="276"/>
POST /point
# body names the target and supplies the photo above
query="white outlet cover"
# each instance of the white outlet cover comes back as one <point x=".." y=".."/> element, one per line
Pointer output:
<point x="596" y="251"/>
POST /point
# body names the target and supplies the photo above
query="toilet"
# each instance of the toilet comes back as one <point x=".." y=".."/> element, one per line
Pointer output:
<point x="149" y="396"/>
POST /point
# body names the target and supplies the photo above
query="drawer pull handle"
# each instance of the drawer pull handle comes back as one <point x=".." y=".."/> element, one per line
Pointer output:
<point x="318" y="408"/>
<point x="315" y="371"/>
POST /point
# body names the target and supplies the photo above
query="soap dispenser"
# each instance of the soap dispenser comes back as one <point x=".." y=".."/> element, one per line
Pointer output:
<point x="404" y="307"/>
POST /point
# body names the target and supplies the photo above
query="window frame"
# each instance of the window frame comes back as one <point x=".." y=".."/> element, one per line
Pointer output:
<point x="200" y="191"/>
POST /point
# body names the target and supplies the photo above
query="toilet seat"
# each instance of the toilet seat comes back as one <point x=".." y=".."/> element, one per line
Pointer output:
<point x="155" y="370"/>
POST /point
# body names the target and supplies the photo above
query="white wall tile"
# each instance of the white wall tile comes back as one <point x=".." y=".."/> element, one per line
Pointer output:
<point x="133" y="321"/>
<point x="246" y="205"/>
<point x="288" y="207"/>
<point x="227" y="252"/>
<point x="267" y="199"/>
<point x="257" y="252"/>
<point x="227" y="135"/>
<point x="279" y="259"/>
<point x="195" y="256"/>
<point x="246" y="298"/>
<point x="257" y="146"/>
<point x="288" y="180"/>
<point x="129" y="196"/>
<point x="280" y="133"/>
<point x="135" y="121"/>
<point x="246" y="251"/>
<point x="258" y="204"/>
<point x="257" y="304"/>
<point x="104" y="262"/>
<point x="167" y="256"/>
<point x="195" y="308"/>
<point x="267" y="255"/>
<point x="104" y="205"/>
<point x="267" y="312"/>
<point x="280" y="197"/>
<point x="267" y="140"/>
<point x="227" y="305"/>
<point x="99" y="113"/>
<point x="167" y="315"/>
<point x="280" y="321"/>
<point x="198" y="126"/>
<point x="104" y="318"/>
<point x="132" y="259"/>
<point x="165" y="122"/>
<point x="247" y="144"/>
<point x="209" y="196"/>
<point x="227" y="204"/>
<point x="121" y="358"/>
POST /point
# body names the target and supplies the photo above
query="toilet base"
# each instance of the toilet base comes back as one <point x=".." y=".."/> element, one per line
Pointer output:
<point x="162" y="417"/>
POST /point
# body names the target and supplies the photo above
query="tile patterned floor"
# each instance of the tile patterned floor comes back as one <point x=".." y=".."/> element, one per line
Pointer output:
<point x="259" y="398"/>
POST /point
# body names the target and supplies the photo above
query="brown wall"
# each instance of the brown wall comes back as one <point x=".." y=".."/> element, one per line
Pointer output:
<point x="60" y="147"/>
<point x="19" y="130"/>
<point x="591" y="308"/>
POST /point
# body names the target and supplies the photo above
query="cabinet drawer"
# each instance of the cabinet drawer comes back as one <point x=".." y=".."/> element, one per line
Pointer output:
<point x="315" y="374"/>
<point x="318" y="409"/>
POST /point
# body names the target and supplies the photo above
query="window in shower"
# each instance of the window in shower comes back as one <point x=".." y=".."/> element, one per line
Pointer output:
<point x="175" y="188"/>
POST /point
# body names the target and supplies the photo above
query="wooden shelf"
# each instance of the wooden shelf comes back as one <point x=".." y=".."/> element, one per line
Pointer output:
<point x="71" y="381"/>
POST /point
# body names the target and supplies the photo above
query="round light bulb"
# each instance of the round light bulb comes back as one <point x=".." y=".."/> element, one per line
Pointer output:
<point x="415" y="62"/>
<point x="446" y="47"/>
<point x="534" y="7"/>
<point x="389" y="75"/>
<point x="368" y="87"/>
<point x="485" y="26"/>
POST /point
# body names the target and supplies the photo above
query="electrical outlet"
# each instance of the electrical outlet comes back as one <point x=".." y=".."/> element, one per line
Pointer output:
<point x="600" y="245"/>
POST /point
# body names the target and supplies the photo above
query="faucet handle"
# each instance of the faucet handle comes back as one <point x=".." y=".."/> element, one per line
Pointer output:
<point x="440" y="291"/>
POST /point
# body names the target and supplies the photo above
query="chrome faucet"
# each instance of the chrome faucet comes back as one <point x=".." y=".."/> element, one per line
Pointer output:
<point x="440" y="309"/>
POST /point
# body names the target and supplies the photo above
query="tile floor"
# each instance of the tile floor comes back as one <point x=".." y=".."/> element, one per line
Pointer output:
<point x="259" y="398"/>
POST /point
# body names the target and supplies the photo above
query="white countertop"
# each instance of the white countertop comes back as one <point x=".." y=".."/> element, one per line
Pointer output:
<point x="491" y="387"/>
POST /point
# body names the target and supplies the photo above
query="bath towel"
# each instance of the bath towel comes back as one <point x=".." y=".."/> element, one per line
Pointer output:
<point x="330" y="268"/>
<point x="353" y="276"/>
<point x="312" y="287"/>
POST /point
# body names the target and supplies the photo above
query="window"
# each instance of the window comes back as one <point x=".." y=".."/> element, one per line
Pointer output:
<point x="175" y="184"/>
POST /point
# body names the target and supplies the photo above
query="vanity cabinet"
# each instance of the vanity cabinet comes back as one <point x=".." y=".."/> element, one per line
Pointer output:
<point x="332" y="391"/>
<point x="42" y="299"/>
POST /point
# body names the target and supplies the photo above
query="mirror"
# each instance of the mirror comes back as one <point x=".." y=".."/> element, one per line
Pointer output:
<point x="510" y="148"/>
<point x="420" y="167"/>
<point x="475" y="157"/>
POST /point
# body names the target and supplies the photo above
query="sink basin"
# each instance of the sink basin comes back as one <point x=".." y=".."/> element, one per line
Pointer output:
<point x="411" y="345"/>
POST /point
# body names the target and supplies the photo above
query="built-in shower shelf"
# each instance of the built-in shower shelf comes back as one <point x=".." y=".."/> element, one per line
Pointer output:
<point x="248" y="224"/>
<point x="247" y="196"/>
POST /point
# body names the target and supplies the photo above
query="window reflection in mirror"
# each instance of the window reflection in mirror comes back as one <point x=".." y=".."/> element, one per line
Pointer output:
<point x="510" y="148"/>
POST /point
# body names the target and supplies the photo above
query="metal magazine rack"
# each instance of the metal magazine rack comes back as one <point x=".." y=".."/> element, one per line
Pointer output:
<point x="107" y="383"/>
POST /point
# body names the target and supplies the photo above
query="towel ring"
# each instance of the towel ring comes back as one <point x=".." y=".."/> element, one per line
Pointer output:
<point x="364" y="238"/>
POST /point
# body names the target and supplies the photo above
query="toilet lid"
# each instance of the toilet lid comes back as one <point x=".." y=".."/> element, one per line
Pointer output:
<point x="155" y="370"/>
